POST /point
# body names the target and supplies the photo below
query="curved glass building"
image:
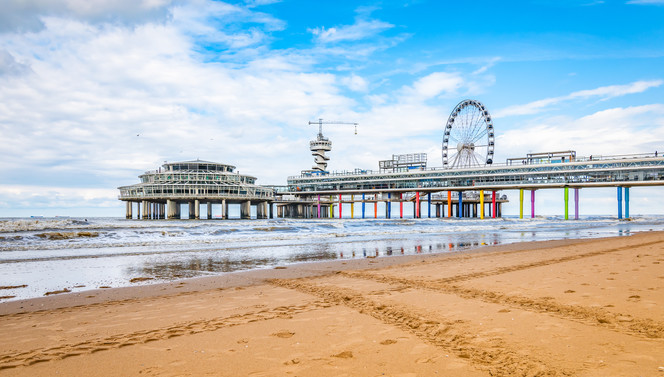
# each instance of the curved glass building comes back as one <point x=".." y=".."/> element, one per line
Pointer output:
<point x="161" y="192"/>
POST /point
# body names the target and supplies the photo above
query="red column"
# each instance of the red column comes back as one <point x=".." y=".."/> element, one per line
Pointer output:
<point x="417" y="205"/>
<point x="493" y="204"/>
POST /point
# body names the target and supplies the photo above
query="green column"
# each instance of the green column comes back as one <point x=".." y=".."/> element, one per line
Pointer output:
<point x="566" y="203"/>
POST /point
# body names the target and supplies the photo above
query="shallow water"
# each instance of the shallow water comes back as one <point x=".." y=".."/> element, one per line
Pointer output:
<point x="38" y="256"/>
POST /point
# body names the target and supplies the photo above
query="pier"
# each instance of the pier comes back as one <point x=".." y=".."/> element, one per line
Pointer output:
<point x="529" y="174"/>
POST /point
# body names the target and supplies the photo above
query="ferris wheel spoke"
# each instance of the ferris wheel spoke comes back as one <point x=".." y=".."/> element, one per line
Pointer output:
<point x="451" y="159"/>
<point x="480" y="135"/>
<point x="471" y="127"/>
<point x="476" y="160"/>
<point x="478" y="127"/>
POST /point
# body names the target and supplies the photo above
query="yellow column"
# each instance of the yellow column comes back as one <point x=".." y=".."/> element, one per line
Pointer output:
<point x="521" y="204"/>
<point x="481" y="204"/>
<point x="352" y="206"/>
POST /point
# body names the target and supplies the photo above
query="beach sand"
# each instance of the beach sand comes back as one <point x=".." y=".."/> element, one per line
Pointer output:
<point x="559" y="308"/>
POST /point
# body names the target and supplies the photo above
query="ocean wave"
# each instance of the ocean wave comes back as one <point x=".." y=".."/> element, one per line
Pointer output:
<point x="66" y="235"/>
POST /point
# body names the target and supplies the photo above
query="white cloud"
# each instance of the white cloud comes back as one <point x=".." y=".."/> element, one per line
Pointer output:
<point x="101" y="104"/>
<point x="361" y="29"/>
<point x="433" y="85"/>
<point x="638" y="129"/>
<point x="27" y="15"/>
<point x="27" y="196"/>
<point x="355" y="83"/>
<point x="646" y="2"/>
<point x="604" y="93"/>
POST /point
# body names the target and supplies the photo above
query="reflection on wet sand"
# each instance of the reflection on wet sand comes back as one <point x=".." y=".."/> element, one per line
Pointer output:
<point x="196" y="266"/>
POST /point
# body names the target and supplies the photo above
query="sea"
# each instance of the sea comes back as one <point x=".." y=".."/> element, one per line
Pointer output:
<point x="43" y="256"/>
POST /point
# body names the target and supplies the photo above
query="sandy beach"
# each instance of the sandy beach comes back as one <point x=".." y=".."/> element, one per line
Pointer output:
<point x="556" y="308"/>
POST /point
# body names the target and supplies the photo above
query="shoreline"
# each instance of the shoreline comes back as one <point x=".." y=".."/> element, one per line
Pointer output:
<point x="255" y="277"/>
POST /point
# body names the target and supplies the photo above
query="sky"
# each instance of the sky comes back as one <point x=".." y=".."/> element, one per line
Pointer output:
<point x="95" y="92"/>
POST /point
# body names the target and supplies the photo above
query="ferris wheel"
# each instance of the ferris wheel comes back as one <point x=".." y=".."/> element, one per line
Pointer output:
<point x="468" y="139"/>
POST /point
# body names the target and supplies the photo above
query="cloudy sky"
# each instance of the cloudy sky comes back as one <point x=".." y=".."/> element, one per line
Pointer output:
<point x="94" y="92"/>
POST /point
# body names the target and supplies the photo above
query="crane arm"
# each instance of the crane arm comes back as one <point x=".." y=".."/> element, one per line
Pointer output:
<point x="320" y="124"/>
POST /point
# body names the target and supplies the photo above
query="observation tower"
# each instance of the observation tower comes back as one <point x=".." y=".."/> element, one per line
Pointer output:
<point x="161" y="192"/>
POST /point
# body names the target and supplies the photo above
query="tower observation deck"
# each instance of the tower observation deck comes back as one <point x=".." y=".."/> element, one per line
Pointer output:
<point x="161" y="192"/>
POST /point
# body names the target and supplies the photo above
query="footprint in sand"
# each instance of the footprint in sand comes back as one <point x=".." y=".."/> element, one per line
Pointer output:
<point x="283" y="334"/>
<point x="387" y="342"/>
<point x="344" y="355"/>
<point x="569" y="291"/>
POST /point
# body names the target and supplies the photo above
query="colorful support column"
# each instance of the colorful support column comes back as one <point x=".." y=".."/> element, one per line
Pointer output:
<point x="532" y="204"/>
<point x="627" y="202"/>
<point x="429" y="202"/>
<point x="401" y="206"/>
<point x="493" y="204"/>
<point x="340" y="205"/>
<point x="460" y="205"/>
<point x="521" y="203"/>
<point x="363" y="205"/>
<point x="576" y="204"/>
<point x="417" y="205"/>
<point x="318" y="203"/>
<point x="449" y="204"/>
<point x="352" y="206"/>
<point x="566" y="203"/>
<point x="481" y="204"/>
<point x="619" y="189"/>
<point x="376" y="207"/>
<point x="331" y="206"/>
<point x="389" y="205"/>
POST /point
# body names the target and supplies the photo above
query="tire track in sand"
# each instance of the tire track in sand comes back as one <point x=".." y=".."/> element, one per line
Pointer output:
<point x="488" y="353"/>
<point x="546" y="262"/>
<point x="626" y="324"/>
<point x="642" y="327"/>
<point x="26" y="358"/>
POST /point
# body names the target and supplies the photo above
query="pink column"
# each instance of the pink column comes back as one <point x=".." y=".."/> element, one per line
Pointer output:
<point x="532" y="204"/>
<point x="576" y="204"/>
<point x="493" y="204"/>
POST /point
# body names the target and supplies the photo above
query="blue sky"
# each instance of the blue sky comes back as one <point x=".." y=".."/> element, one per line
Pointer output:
<point x="94" y="92"/>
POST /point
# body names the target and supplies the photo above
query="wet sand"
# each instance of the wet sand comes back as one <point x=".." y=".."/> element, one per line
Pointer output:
<point x="557" y="308"/>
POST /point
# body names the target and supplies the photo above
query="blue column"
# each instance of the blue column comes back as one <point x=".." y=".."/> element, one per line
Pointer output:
<point x="619" y="202"/>
<point x="362" y="205"/>
<point x="627" y="202"/>
<point x="460" y="208"/>
<point x="389" y="205"/>
<point x="429" y="201"/>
